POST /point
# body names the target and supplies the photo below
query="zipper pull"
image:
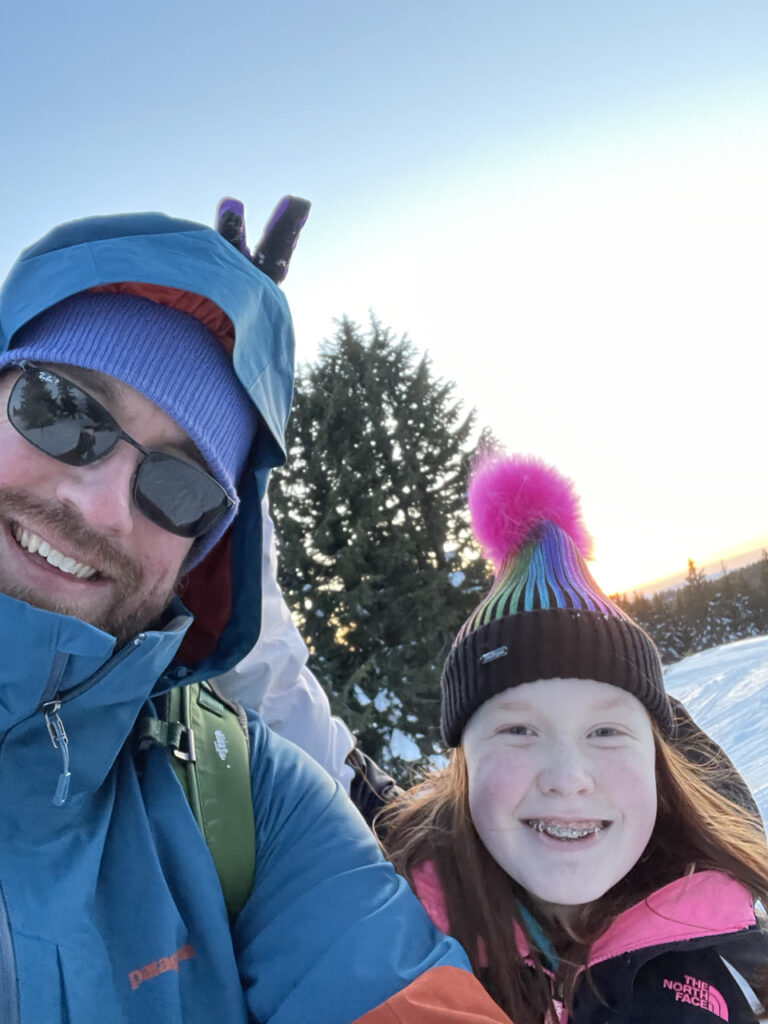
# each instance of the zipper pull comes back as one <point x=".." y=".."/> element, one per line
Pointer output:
<point x="60" y="742"/>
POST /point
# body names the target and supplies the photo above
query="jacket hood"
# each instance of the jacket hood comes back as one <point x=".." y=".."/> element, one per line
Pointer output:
<point x="152" y="249"/>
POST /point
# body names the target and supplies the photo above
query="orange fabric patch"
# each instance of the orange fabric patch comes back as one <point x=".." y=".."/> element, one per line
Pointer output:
<point x="198" y="306"/>
<point x="443" y="995"/>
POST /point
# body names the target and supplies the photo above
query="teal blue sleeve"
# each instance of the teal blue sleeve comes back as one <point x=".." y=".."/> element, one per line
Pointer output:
<point x="330" y="931"/>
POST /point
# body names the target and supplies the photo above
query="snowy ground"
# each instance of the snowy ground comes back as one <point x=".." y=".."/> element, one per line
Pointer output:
<point x="726" y="691"/>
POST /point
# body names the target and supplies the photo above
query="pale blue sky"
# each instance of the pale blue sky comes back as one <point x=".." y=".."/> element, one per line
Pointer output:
<point x="564" y="202"/>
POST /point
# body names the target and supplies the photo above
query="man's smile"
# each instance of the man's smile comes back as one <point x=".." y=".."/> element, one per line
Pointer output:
<point x="34" y="544"/>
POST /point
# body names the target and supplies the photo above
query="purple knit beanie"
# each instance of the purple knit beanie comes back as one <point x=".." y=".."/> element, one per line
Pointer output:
<point x="166" y="355"/>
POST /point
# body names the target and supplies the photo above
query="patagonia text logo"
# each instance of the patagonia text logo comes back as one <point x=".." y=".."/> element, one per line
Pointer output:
<point x="161" y="966"/>
<point x="698" y="993"/>
<point x="221" y="744"/>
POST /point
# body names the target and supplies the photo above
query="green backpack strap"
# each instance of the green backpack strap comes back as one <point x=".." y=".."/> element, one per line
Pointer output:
<point x="207" y="738"/>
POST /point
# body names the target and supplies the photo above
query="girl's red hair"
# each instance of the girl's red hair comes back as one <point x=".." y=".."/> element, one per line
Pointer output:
<point x="697" y="828"/>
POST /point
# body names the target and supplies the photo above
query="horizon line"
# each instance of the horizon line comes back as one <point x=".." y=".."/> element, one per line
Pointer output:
<point x="739" y="556"/>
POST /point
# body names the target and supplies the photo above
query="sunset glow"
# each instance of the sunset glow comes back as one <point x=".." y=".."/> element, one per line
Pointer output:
<point x="565" y="205"/>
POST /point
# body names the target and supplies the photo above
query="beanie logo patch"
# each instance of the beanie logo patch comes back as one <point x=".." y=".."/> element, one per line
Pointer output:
<point x="494" y="655"/>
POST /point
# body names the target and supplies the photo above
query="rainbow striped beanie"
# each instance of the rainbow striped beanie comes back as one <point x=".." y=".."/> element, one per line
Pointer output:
<point x="544" y="616"/>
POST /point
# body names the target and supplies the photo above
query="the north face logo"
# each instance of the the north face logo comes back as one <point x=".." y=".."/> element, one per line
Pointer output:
<point x="221" y="744"/>
<point x="698" y="993"/>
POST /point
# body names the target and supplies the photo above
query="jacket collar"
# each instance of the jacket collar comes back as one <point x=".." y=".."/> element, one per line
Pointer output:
<point x="693" y="907"/>
<point x="696" y="906"/>
<point x="57" y="664"/>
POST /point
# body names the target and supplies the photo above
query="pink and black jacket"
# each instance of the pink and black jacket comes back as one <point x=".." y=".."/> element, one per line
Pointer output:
<point x="683" y="956"/>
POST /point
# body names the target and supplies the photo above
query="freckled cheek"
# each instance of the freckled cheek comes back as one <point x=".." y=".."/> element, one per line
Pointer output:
<point x="497" y="785"/>
<point x="633" y="786"/>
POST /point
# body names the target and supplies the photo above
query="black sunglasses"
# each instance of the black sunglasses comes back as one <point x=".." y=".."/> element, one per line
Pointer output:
<point x="68" y="424"/>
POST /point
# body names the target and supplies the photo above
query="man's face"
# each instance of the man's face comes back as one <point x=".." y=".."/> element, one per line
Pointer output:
<point x="71" y="539"/>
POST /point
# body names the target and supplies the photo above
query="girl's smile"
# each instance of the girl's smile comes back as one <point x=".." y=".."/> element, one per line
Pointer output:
<point x="562" y="785"/>
<point x="566" y="830"/>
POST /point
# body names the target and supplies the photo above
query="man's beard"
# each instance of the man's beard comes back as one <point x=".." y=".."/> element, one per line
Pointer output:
<point x="128" y="578"/>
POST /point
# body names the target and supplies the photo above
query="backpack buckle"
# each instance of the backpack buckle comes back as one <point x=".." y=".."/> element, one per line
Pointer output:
<point x="155" y="732"/>
<point x="183" y="745"/>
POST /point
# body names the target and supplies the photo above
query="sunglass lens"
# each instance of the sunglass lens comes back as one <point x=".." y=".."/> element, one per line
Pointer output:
<point x="178" y="496"/>
<point x="60" y="419"/>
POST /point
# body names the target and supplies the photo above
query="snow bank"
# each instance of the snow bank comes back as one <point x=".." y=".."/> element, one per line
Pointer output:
<point x="726" y="691"/>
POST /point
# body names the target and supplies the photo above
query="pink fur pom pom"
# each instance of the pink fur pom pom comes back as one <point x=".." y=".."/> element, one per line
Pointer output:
<point x="510" y="495"/>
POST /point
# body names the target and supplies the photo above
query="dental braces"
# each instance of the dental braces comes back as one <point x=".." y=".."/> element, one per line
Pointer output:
<point x="566" y="832"/>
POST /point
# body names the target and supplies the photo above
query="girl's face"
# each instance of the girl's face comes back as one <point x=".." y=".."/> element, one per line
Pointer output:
<point x="562" y="786"/>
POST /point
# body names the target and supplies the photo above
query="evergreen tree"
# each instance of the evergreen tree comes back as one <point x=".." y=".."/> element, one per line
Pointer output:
<point x="704" y="613"/>
<point x="663" y="628"/>
<point x="377" y="558"/>
<point x="693" y="607"/>
<point x="761" y="595"/>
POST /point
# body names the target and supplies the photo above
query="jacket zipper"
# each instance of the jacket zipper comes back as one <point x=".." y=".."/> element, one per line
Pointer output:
<point x="99" y="674"/>
<point x="55" y="726"/>
<point x="58" y="735"/>
<point x="9" y="993"/>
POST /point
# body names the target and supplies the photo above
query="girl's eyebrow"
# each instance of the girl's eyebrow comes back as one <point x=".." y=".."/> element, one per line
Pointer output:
<point x="601" y="705"/>
<point x="611" y="702"/>
<point x="515" y="705"/>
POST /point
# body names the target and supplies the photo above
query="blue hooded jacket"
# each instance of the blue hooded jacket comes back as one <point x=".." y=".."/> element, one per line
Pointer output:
<point x="110" y="906"/>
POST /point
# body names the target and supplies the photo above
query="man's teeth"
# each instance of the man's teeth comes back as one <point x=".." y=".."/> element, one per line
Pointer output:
<point x="561" y="831"/>
<point x="36" y="545"/>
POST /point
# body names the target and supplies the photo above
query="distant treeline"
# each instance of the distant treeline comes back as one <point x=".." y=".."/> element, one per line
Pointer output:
<point x="704" y="611"/>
